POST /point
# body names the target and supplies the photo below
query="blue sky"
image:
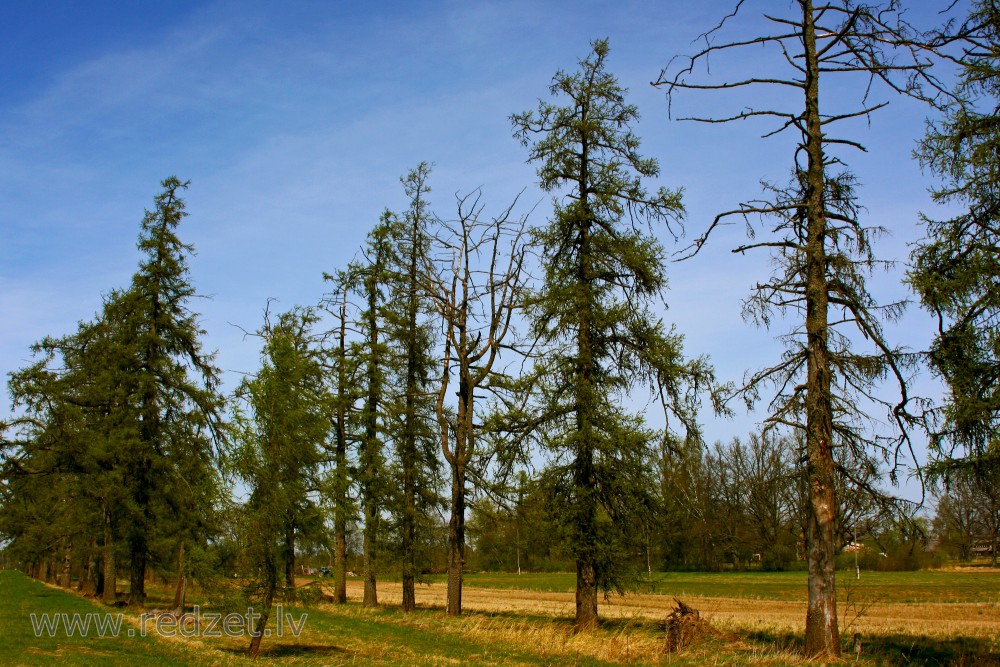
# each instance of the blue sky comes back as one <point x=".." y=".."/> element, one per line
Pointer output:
<point x="294" y="122"/>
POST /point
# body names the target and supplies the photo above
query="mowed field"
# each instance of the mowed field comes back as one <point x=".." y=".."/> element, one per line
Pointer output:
<point x="934" y="618"/>
<point x="933" y="604"/>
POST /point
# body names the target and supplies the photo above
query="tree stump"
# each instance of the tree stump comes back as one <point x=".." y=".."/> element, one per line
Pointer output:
<point x="684" y="627"/>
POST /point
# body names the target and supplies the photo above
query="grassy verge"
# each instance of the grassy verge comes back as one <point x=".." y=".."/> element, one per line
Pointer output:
<point x="353" y="635"/>
<point x="20" y="644"/>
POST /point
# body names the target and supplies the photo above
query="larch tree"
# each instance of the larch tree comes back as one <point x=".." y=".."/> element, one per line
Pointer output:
<point x="174" y="382"/>
<point x="592" y="317"/>
<point x="822" y="251"/>
<point x="52" y="468"/>
<point x="146" y="411"/>
<point x="410" y="340"/>
<point x="342" y="373"/>
<point x="954" y="269"/>
<point x="370" y="277"/>
<point x="280" y="440"/>
<point x="475" y="277"/>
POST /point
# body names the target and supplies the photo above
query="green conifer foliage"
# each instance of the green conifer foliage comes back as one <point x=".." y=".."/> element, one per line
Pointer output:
<point x="603" y="270"/>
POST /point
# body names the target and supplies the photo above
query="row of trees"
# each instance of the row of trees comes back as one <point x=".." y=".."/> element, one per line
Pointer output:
<point x="967" y="518"/>
<point x="358" y="398"/>
<point x="412" y="359"/>
<point x="113" y="448"/>
<point x="742" y="505"/>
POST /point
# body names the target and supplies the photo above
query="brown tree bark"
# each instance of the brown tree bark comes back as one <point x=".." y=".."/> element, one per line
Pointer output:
<point x="66" y="578"/>
<point x="137" y="536"/>
<point x="289" y="554"/>
<point x="341" y="515"/>
<point x="822" y="634"/>
<point x="456" y="541"/>
<point x="370" y="446"/>
<point x="584" y="477"/>
<point x="340" y="566"/>
<point x="181" y="590"/>
<point x="91" y="582"/>
<point x="371" y="592"/>
<point x="109" y="593"/>
<point x="253" y="650"/>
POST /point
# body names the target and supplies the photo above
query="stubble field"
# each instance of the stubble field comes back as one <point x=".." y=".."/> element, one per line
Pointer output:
<point x="936" y="617"/>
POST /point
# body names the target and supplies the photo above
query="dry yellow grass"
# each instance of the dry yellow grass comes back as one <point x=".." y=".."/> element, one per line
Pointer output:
<point x="525" y="627"/>
<point x="943" y="620"/>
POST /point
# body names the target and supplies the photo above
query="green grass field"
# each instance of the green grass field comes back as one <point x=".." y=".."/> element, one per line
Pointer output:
<point x="21" y="597"/>
<point x="352" y="635"/>
<point x="981" y="585"/>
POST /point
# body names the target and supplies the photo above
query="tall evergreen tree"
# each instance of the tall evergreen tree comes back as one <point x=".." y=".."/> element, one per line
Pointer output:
<point x="592" y="313"/>
<point x="173" y="382"/>
<point x="409" y="336"/>
<point x="372" y="353"/>
<point x="822" y="251"/>
<point x="280" y="452"/>
<point x="53" y="467"/>
<point x="342" y="371"/>
<point x="954" y="270"/>
<point x="135" y="429"/>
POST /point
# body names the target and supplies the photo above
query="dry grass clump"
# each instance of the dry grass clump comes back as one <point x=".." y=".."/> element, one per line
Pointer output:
<point x="624" y="642"/>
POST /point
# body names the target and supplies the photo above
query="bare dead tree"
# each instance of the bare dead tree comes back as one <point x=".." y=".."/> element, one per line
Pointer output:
<point x="822" y="252"/>
<point x="475" y="278"/>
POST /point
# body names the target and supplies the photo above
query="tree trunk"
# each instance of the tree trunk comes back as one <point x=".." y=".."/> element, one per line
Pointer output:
<point x="409" y="514"/>
<point x="584" y="477"/>
<point x="137" y="573"/>
<point x="371" y="593"/>
<point x="517" y="544"/>
<point x="181" y="590"/>
<point x="586" y="529"/>
<point x="258" y="634"/>
<point x="290" y="554"/>
<point x="371" y="447"/>
<point x="138" y="538"/>
<point x="65" y="580"/>
<point x="340" y="564"/>
<point x="91" y="582"/>
<point x="409" y="532"/>
<point x="822" y="634"/>
<point x="409" y="444"/>
<point x="586" y="595"/>
<point x="456" y="539"/>
<point x="108" y="592"/>
<point x="409" y="569"/>
<point x="341" y="516"/>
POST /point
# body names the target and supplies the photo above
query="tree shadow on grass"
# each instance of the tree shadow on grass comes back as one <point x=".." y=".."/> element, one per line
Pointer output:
<point x="893" y="650"/>
<point x="909" y="650"/>
<point x="616" y="623"/>
<point x="296" y="651"/>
